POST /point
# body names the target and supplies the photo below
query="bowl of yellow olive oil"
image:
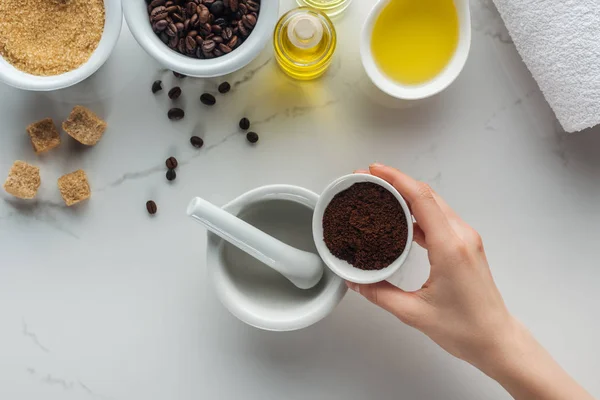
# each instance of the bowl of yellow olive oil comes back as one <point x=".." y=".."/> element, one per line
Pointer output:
<point x="414" y="49"/>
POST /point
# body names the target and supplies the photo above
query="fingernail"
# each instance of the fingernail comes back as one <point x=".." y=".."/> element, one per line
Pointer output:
<point x="376" y="165"/>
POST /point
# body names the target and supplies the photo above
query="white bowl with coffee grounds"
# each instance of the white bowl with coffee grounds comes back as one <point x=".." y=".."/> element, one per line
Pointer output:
<point x="136" y="14"/>
<point x="113" y="21"/>
<point x="341" y="267"/>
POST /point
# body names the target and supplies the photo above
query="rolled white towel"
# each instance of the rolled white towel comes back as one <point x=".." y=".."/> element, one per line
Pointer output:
<point x="559" y="41"/>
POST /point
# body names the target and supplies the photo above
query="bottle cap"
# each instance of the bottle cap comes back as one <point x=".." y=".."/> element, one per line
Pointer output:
<point x="305" y="31"/>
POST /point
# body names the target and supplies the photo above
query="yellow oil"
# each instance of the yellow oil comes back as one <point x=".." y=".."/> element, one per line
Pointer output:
<point x="414" y="40"/>
<point x="304" y="63"/>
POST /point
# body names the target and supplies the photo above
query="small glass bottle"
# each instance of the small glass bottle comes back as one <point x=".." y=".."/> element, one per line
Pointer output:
<point x="329" y="7"/>
<point x="304" y="42"/>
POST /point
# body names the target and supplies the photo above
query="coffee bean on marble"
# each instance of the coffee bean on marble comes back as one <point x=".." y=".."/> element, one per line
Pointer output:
<point x="175" y="93"/>
<point x="151" y="207"/>
<point x="171" y="175"/>
<point x="171" y="163"/>
<point x="224" y="87"/>
<point x="196" y="141"/>
<point x="208" y="99"/>
<point x="156" y="87"/>
<point x="175" y="114"/>
<point x="252" y="137"/>
<point x="244" y="124"/>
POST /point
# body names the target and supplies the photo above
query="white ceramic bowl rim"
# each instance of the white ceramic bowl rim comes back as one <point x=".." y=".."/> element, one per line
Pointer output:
<point x="343" y="268"/>
<point x="112" y="29"/>
<point x="136" y="14"/>
<point x="329" y="297"/>
<point x="427" y="89"/>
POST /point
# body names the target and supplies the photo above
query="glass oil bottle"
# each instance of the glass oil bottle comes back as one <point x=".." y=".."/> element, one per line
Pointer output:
<point x="329" y="7"/>
<point x="304" y="42"/>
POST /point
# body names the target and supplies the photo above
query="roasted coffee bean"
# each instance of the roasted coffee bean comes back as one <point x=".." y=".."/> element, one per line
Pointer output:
<point x="243" y="8"/>
<point x="171" y="30"/>
<point x="186" y="25"/>
<point x="196" y="141"/>
<point x="181" y="46"/>
<point x="151" y="207"/>
<point x="209" y="55"/>
<point x="252" y="6"/>
<point x="233" y="5"/>
<point x="217" y="8"/>
<point x="171" y="163"/>
<point x="180" y="28"/>
<point x="164" y="37"/>
<point x="194" y="20"/>
<point x="249" y="21"/>
<point x="217" y="39"/>
<point x="175" y="93"/>
<point x="156" y="87"/>
<point x="244" y="124"/>
<point x="252" y="137"/>
<point x="192" y="33"/>
<point x="157" y="13"/>
<point x="161" y="25"/>
<point x="222" y="22"/>
<point x="199" y="53"/>
<point x="218" y="53"/>
<point x="175" y="114"/>
<point x="208" y="46"/>
<point x="208" y="99"/>
<point x="233" y="42"/>
<point x="243" y="30"/>
<point x="178" y="75"/>
<point x="205" y="29"/>
<point x="208" y="2"/>
<point x="177" y="18"/>
<point x="227" y="34"/>
<point x="199" y="40"/>
<point x="216" y="29"/>
<point x="171" y="175"/>
<point x="173" y="10"/>
<point x="173" y="42"/>
<point x="224" y="48"/>
<point x="156" y="3"/>
<point x="203" y="13"/>
<point x="224" y="87"/>
<point x="190" y="8"/>
<point x="190" y="44"/>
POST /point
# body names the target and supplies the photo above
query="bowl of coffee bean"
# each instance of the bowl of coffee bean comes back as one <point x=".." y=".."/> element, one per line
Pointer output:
<point x="362" y="228"/>
<point x="202" y="38"/>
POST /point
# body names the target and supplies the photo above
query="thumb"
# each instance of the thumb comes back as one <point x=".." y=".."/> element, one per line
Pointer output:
<point x="406" y="306"/>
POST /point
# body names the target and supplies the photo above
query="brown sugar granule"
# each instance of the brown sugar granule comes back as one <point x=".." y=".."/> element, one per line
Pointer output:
<point x="23" y="180"/>
<point x="365" y="225"/>
<point x="50" y="37"/>
<point x="44" y="135"/>
<point x="74" y="187"/>
<point x="84" y="126"/>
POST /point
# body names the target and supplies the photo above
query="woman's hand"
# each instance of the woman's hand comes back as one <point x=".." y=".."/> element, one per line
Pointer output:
<point x="459" y="306"/>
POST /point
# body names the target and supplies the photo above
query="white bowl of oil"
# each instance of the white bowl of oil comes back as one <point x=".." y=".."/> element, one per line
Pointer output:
<point x="412" y="50"/>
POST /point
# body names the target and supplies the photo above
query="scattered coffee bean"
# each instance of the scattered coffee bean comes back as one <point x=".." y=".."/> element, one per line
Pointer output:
<point x="177" y="74"/>
<point x="252" y="137"/>
<point x="196" y="141"/>
<point x="175" y="93"/>
<point x="208" y="99"/>
<point x="151" y="207"/>
<point x="156" y="87"/>
<point x="171" y="163"/>
<point x="224" y="87"/>
<point x="244" y="124"/>
<point x="179" y="24"/>
<point x="171" y="175"/>
<point x="176" y="114"/>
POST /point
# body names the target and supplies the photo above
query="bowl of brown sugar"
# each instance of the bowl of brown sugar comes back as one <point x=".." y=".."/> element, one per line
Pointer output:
<point x="52" y="44"/>
<point x="362" y="228"/>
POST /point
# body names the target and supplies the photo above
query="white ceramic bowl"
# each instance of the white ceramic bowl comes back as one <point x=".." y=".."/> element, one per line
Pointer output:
<point x="136" y="14"/>
<point x="260" y="296"/>
<point x="112" y="28"/>
<point x="341" y="267"/>
<point x="427" y="89"/>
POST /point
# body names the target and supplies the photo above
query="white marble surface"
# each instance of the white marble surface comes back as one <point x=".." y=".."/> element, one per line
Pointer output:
<point x="103" y="302"/>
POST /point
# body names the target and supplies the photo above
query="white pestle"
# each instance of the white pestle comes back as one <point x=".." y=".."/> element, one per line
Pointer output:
<point x="302" y="268"/>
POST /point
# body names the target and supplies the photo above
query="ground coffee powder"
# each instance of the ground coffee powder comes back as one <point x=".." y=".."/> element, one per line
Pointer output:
<point x="365" y="225"/>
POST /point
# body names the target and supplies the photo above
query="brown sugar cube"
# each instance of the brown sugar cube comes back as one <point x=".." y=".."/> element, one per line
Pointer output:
<point x="44" y="135"/>
<point x="84" y="126"/>
<point x="74" y="187"/>
<point x="23" y="180"/>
